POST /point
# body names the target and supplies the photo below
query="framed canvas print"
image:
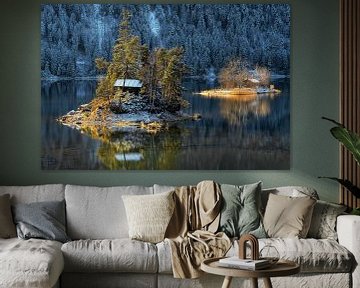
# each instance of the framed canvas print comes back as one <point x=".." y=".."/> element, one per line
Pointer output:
<point x="165" y="87"/>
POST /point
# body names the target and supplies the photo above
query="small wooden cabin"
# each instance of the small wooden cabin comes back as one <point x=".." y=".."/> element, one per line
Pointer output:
<point x="131" y="85"/>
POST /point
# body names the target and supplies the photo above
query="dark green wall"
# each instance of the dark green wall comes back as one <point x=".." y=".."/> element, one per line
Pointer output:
<point x="314" y="93"/>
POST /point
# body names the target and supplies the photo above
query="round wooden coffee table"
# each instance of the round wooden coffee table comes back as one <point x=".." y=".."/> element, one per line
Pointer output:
<point x="281" y="268"/>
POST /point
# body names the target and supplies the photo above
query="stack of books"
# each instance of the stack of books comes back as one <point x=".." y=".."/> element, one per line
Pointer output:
<point x="248" y="264"/>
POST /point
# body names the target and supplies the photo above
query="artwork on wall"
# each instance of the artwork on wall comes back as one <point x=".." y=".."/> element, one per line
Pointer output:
<point x="165" y="87"/>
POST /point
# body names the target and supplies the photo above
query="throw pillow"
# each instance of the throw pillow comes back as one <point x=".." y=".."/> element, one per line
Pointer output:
<point x="7" y="227"/>
<point x="149" y="215"/>
<point x="240" y="213"/>
<point x="288" y="217"/>
<point x="323" y="222"/>
<point x="44" y="220"/>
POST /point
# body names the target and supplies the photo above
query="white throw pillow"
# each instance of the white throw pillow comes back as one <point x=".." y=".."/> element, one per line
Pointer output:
<point x="149" y="215"/>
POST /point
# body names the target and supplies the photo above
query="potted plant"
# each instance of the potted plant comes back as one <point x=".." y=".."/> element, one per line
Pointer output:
<point x="351" y="141"/>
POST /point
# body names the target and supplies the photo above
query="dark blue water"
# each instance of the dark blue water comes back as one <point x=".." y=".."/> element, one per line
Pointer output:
<point x="232" y="133"/>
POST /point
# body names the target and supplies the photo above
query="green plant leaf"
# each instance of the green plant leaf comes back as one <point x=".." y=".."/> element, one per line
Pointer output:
<point x="348" y="138"/>
<point x="355" y="211"/>
<point x="347" y="184"/>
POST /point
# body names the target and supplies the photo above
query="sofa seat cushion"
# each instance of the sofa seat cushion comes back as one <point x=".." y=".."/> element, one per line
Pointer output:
<point x="313" y="255"/>
<point x="30" y="263"/>
<point x="115" y="255"/>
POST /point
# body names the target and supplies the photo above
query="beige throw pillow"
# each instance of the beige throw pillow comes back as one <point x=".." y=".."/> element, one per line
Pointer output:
<point x="7" y="226"/>
<point x="149" y="215"/>
<point x="288" y="217"/>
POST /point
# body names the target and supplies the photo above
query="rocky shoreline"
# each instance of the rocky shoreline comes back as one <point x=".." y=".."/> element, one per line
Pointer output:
<point x="97" y="116"/>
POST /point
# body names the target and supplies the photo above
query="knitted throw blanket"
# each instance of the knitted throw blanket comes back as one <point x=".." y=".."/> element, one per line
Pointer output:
<point x="191" y="232"/>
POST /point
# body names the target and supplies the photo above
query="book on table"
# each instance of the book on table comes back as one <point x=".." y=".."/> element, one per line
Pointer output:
<point x="236" y="262"/>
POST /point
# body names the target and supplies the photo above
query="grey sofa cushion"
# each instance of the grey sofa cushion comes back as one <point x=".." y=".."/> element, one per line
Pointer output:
<point x="98" y="213"/>
<point x="36" y="193"/>
<point x="44" y="220"/>
<point x="117" y="255"/>
<point x="30" y="263"/>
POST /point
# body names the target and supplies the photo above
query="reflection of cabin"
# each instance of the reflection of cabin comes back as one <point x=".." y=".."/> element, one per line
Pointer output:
<point x="129" y="156"/>
<point x="131" y="85"/>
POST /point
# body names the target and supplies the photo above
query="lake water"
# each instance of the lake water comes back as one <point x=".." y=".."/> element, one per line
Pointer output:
<point x="233" y="133"/>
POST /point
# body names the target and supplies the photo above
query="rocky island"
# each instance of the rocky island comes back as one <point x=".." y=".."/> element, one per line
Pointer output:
<point x="99" y="116"/>
<point x="141" y="89"/>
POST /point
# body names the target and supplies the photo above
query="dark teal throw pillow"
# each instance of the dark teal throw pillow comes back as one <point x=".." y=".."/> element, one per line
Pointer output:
<point x="240" y="213"/>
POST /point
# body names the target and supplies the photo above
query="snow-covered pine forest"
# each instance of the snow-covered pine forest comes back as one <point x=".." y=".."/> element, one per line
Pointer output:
<point x="73" y="35"/>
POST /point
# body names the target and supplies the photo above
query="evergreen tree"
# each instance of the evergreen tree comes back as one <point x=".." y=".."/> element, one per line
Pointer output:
<point x="126" y="62"/>
<point x="211" y="34"/>
<point x="171" y="78"/>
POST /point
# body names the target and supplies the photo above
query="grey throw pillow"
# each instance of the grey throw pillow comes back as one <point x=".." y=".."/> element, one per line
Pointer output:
<point x="7" y="226"/>
<point x="44" y="220"/>
<point x="323" y="222"/>
<point x="240" y="213"/>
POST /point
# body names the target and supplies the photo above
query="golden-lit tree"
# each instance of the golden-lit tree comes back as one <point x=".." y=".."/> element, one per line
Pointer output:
<point x="234" y="74"/>
<point x="263" y="75"/>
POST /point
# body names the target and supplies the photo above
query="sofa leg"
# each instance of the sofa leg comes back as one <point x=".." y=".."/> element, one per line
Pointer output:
<point x="227" y="282"/>
<point x="267" y="282"/>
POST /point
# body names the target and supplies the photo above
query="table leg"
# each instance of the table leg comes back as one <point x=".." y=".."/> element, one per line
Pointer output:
<point x="254" y="282"/>
<point x="267" y="283"/>
<point x="227" y="282"/>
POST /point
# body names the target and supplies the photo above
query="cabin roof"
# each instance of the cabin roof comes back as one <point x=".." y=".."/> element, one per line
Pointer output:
<point x="132" y="83"/>
<point x="253" y="80"/>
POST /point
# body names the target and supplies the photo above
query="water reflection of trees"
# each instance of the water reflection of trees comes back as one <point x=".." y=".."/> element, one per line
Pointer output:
<point x="237" y="111"/>
<point x="154" y="151"/>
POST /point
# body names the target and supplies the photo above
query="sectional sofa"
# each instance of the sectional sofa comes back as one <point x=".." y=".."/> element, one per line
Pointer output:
<point x="100" y="253"/>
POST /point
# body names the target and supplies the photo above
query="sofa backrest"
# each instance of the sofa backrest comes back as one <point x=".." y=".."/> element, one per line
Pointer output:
<point x="163" y="188"/>
<point x="98" y="212"/>
<point x="36" y="193"/>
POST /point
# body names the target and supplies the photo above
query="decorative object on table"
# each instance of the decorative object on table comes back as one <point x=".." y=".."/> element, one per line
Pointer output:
<point x="248" y="264"/>
<point x="254" y="246"/>
<point x="351" y="142"/>
<point x="241" y="261"/>
<point x="269" y="253"/>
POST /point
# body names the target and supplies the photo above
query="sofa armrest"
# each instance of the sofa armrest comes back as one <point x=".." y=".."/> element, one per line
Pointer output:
<point x="348" y="230"/>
